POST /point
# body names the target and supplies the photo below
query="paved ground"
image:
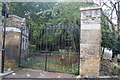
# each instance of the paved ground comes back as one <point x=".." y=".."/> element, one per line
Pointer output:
<point x="32" y="73"/>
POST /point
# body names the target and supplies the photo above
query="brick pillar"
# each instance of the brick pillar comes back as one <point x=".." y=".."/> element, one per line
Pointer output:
<point x="90" y="43"/>
<point x="0" y="34"/>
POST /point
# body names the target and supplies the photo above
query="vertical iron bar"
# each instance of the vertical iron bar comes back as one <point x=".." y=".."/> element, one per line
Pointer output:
<point x="60" y="39"/>
<point x="41" y="45"/>
<point x="72" y="47"/>
<point x="56" y="31"/>
<point x="74" y="39"/>
<point x="79" y="50"/>
<point x="3" y="47"/>
<point x="39" y="40"/>
<point x="48" y="44"/>
<point x="20" y="49"/>
<point x="46" y="53"/>
<point x="30" y="43"/>
<point x="68" y="41"/>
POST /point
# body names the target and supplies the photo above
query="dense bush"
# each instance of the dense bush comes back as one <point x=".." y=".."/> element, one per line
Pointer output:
<point x="110" y="41"/>
<point x="32" y="47"/>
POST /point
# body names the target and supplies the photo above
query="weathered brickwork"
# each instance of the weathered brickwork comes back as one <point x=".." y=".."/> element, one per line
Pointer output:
<point x="15" y="21"/>
<point x="90" y="36"/>
<point x="12" y="42"/>
<point x="90" y="42"/>
<point x="12" y="46"/>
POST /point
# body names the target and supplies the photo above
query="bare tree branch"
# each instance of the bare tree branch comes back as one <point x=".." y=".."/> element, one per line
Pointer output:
<point x="113" y="25"/>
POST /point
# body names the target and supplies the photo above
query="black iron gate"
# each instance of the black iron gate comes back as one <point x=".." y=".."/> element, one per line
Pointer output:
<point x="53" y="48"/>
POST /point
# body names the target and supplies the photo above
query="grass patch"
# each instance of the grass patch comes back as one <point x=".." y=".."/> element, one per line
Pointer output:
<point x="52" y="65"/>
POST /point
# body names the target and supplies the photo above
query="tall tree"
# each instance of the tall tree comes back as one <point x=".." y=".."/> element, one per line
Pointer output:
<point x="114" y="40"/>
<point x="52" y="14"/>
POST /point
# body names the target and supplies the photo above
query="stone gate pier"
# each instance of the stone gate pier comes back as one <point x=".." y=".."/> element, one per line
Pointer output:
<point x="90" y="42"/>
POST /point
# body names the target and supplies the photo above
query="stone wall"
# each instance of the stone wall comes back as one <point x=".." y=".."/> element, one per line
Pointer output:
<point x="12" y="46"/>
<point x="12" y="42"/>
<point x="90" y="42"/>
<point x="15" y="21"/>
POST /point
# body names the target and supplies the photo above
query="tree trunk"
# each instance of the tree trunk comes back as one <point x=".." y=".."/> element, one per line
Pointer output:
<point x="118" y="20"/>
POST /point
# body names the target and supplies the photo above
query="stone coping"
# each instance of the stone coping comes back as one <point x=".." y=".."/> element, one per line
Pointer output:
<point x="13" y="29"/>
<point x="6" y="73"/>
<point x="78" y="77"/>
<point x="90" y="8"/>
<point x="14" y="16"/>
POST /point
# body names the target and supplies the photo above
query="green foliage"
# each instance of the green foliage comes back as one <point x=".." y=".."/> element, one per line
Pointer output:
<point x="36" y="13"/>
<point x="118" y="60"/>
<point x="32" y="47"/>
<point x="110" y="41"/>
<point x="117" y="49"/>
<point x="40" y="14"/>
<point x="50" y="13"/>
<point x="66" y="13"/>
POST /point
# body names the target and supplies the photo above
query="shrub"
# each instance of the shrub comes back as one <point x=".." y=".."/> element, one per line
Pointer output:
<point x="110" y="42"/>
<point x="32" y="47"/>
